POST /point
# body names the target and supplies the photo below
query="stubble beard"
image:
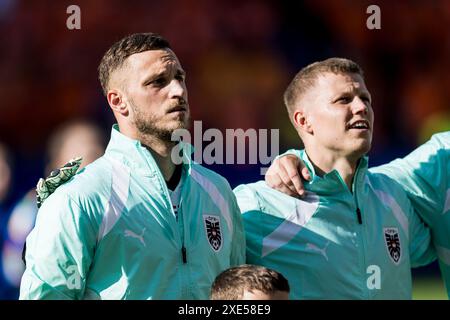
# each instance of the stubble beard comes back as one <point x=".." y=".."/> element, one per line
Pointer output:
<point x="148" y="127"/>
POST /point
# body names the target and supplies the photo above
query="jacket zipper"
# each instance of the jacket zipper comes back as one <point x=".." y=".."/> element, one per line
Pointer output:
<point x="180" y="223"/>
<point x="362" y="234"/>
<point x="183" y="254"/>
<point x="181" y="227"/>
<point x="358" y="213"/>
<point x="179" y="215"/>
<point x="187" y="283"/>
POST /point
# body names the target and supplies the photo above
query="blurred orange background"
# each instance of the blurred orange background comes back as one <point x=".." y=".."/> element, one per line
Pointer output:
<point x="239" y="57"/>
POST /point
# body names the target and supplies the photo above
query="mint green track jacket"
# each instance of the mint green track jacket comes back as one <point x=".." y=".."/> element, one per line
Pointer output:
<point x="425" y="176"/>
<point x="111" y="233"/>
<point x="334" y="244"/>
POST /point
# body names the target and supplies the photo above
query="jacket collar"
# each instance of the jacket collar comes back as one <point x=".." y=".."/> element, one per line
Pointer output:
<point x="132" y="153"/>
<point x="332" y="180"/>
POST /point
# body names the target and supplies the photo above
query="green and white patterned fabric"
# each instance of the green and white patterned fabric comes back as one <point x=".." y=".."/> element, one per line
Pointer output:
<point x="47" y="186"/>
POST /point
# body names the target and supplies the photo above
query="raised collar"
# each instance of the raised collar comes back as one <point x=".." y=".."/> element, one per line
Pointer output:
<point x="132" y="153"/>
<point x="332" y="180"/>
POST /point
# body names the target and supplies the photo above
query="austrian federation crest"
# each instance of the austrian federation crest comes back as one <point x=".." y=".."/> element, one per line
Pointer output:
<point x="213" y="231"/>
<point x="393" y="246"/>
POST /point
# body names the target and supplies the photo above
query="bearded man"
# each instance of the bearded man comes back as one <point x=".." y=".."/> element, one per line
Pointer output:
<point x="133" y="224"/>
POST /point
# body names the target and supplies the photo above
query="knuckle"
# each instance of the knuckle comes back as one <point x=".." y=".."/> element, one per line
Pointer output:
<point x="293" y="175"/>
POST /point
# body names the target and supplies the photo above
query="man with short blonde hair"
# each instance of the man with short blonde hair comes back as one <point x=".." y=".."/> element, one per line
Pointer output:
<point x="354" y="235"/>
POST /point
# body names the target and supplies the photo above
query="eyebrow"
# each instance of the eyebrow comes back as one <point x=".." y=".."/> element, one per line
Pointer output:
<point x="359" y="92"/>
<point x="152" y="77"/>
<point x="162" y="74"/>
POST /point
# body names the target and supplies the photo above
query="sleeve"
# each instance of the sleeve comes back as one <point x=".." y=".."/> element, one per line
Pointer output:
<point x="421" y="249"/>
<point x="59" y="253"/>
<point x="251" y="214"/>
<point x="246" y="199"/>
<point x="424" y="174"/>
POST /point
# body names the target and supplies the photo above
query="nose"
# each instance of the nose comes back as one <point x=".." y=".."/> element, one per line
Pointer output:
<point x="359" y="106"/>
<point x="177" y="89"/>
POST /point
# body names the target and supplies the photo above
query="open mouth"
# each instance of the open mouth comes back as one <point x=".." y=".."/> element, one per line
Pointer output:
<point x="360" y="125"/>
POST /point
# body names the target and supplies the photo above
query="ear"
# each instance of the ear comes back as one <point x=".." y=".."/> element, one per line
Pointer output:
<point x="117" y="102"/>
<point x="301" y="121"/>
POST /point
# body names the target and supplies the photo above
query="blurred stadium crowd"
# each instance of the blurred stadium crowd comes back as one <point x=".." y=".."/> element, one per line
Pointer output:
<point x="239" y="57"/>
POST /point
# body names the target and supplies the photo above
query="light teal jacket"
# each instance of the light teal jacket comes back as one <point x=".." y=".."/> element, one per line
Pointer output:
<point x="111" y="232"/>
<point x="425" y="176"/>
<point x="335" y="244"/>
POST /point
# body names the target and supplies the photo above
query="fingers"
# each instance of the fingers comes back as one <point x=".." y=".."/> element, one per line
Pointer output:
<point x="304" y="170"/>
<point x="291" y="166"/>
<point x="284" y="177"/>
<point x="287" y="175"/>
<point x="274" y="181"/>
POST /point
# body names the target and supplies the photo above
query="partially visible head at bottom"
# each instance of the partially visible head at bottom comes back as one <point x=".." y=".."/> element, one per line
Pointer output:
<point x="250" y="282"/>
